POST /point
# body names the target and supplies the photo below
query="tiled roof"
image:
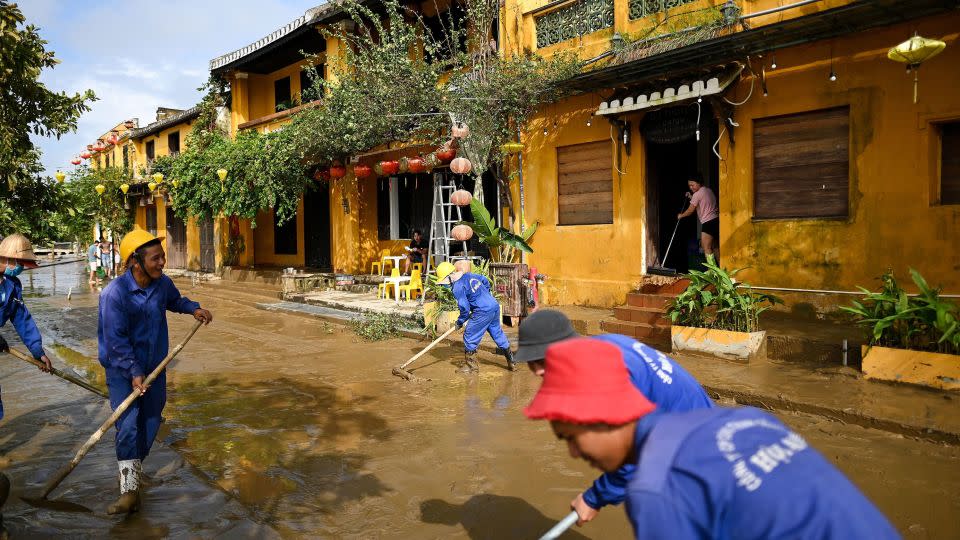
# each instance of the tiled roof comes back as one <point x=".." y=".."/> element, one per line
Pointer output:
<point x="171" y="120"/>
<point x="311" y="16"/>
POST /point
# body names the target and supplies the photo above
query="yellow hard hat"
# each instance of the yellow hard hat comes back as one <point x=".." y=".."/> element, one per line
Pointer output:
<point x="17" y="246"/>
<point x="444" y="269"/>
<point x="134" y="239"/>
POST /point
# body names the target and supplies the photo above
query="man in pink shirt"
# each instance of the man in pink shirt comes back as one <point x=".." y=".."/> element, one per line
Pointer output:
<point x="704" y="203"/>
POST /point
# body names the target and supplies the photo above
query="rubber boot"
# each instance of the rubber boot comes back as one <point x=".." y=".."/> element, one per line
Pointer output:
<point x="470" y="364"/>
<point x="129" y="501"/>
<point x="508" y="354"/>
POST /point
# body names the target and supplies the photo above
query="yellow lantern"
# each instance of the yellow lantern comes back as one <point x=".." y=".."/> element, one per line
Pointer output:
<point x="222" y="173"/>
<point x="175" y="182"/>
<point x="124" y="188"/>
<point x="158" y="178"/>
<point x="152" y="186"/>
<point x="60" y="176"/>
<point x="512" y="148"/>
<point x="914" y="52"/>
<point x="100" y="189"/>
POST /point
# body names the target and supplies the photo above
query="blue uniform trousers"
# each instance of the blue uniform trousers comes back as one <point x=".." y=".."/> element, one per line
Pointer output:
<point x="137" y="427"/>
<point x="479" y="323"/>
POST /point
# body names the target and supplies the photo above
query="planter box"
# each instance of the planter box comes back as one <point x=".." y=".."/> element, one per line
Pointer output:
<point x="739" y="346"/>
<point x="512" y="289"/>
<point x="445" y="319"/>
<point x="936" y="370"/>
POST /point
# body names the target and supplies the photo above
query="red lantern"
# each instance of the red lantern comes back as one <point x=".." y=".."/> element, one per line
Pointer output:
<point x="461" y="233"/>
<point x="416" y="165"/>
<point x="461" y="197"/>
<point x="461" y="165"/>
<point x="361" y="171"/>
<point x="75" y="161"/>
<point x="113" y="139"/>
<point x="389" y="167"/>
<point x="85" y="155"/>
<point x="99" y="146"/>
<point x="446" y="153"/>
<point x="90" y="147"/>
<point x="337" y="171"/>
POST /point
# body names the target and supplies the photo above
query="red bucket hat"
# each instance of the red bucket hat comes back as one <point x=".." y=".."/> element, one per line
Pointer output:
<point x="587" y="382"/>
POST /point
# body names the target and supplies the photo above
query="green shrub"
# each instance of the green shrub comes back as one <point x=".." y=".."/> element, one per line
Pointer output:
<point x="377" y="326"/>
<point x="715" y="300"/>
<point x="892" y="318"/>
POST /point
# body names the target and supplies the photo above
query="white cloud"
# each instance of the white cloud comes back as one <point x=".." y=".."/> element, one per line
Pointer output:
<point x="137" y="56"/>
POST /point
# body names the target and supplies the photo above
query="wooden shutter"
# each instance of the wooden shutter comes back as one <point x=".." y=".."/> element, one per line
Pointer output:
<point x="801" y="165"/>
<point x="950" y="163"/>
<point x="585" y="180"/>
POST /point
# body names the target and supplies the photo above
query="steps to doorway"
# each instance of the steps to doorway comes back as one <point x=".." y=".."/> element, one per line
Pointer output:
<point x="644" y="317"/>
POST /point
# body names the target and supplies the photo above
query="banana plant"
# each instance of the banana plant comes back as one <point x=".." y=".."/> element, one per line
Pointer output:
<point x="504" y="245"/>
<point x="714" y="299"/>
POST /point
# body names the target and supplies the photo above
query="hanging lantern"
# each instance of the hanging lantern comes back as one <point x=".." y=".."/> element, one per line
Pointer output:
<point x="113" y="139"/>
<point x="100" y="189"/>
<point x="461" y="197"/>
<point x="222" y="175"/>
<point x="461" y="233"/>
<point x="512" y="148"/>
<point x="361" y="170"/>
<point x="389" y="167"/>
<point x="59" y="175"/>
<point x="460" y="130"/>
<point x="914" y="52"/>
<point x="461" y="165"/>
<point x="176" y="183"/>
<point x="85" y="155"/>
<point x="416" y="165"/>
<point x="152" y="186"/>
<point x="158" y="177"/>
<point x="124" y="188"/>
<point x="76" y="161"/>
<point x="99" y="146"/>
<point x="90" y="148"/>
<point x="337" y="171"/>
<point x="129" y="124"/>
<point x="446" y="153"/>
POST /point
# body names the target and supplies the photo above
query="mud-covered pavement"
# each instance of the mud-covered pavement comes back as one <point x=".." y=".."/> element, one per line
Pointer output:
<point x="306" y="429"/>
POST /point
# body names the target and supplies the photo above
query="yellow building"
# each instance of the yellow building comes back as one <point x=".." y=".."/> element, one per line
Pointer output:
<point x="826" y="171"/>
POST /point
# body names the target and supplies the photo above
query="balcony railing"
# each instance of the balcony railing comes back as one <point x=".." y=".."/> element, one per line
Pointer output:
<point x="575" y="20"/>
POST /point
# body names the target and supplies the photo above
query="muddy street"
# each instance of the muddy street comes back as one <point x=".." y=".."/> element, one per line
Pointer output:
<point x="295" y="425"/>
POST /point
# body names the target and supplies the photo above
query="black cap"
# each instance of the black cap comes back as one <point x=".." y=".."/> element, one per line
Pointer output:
<point x="540" y="330"/>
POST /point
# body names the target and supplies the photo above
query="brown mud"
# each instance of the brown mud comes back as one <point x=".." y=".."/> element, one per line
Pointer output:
<point x="307" y="429"/>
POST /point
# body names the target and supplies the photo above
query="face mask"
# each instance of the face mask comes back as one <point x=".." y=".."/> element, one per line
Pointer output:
<point x="13" y="272"/>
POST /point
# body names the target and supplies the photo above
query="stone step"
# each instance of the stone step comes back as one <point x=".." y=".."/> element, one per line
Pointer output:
<point x="253" y="276"/>
<point x="647" y="333"/>
<point x="644" y="300"/>
<point x="649" y="315"/>
<point x="675" y="287"/>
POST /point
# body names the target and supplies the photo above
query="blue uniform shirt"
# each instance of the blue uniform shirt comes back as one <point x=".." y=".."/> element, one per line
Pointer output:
<point x="740" y="473"/>
<point x="132" y="330"/>
<point x="13" y="309"/>
<point x="472" y="292"/>
<point x="664" y="382"/>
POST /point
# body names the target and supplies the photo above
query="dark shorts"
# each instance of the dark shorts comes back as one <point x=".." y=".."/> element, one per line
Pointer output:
<point x="416" y="256"/>
<point x="711" y="227"/>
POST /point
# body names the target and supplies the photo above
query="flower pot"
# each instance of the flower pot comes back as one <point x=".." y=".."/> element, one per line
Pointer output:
<point x="936" y="370"/>
<point x="737" y="346"/>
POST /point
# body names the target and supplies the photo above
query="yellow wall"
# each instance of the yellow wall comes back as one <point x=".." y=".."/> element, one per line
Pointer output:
<point x="264" y="245"/>
<point x="894" y="221"/>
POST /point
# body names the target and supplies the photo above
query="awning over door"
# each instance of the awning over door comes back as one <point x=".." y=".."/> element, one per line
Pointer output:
<point x="713" y="83"/>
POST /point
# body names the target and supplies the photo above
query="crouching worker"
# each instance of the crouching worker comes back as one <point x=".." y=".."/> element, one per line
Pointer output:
<point x="658" y="377"/>
<point x="133" y="340"/>
<point x="709" y="473"/>
<point x="479" y="310"/>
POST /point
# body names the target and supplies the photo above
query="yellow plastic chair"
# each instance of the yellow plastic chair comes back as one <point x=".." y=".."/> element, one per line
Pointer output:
<point x="378" y="266"/>
<point x="383" y="290"/>
<point x="416" y="284"/>
<point x="418" y="267"/>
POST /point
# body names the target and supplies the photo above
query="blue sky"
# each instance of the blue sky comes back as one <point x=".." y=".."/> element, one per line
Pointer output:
<point x="139" y="55"/>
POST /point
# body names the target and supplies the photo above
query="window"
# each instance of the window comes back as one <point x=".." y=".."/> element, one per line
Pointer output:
<point x="285" y="237"/>
<point x="150" y="151"/>
<point x="281" y="94"/>
<point x="106" y="160"/>
<point x="404" y="203"/>
<point x="151" y="211"/>
<point x="585" y="178"/>
<point x="950" y="163"/>
<point x="801" y="165"/>
<point x="173" y="143"/>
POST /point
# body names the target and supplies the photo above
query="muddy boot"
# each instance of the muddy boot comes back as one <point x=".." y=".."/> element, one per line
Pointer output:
<point x="129" y="501"/>
<point x="508" y="354"/>
<point x="470" y="364"/>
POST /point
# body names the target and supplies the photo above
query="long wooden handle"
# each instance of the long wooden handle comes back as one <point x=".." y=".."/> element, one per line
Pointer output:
<point x="428" y="347"/>
<point x="65" y="376"/>
<point x="68" y="468"/>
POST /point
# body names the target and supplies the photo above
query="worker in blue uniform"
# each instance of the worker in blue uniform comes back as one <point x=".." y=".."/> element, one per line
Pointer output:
<point x="658" y="377"/>
<point x="133" y="340"/>
<point x="16" y="254"/>
<point x="717" y="473"/>
<point x="479" y="311"/>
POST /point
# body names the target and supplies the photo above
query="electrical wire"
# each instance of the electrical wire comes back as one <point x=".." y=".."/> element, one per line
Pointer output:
<point x="753" y="80"/>
<point x="618" y="146"/>
<point x="714" y="147"/>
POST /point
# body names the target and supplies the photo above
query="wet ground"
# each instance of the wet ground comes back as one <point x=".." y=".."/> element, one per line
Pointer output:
<point x="308" y="433"/>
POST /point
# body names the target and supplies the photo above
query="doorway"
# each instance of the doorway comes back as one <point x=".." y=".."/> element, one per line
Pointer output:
<point x="316" y="228"/>
<point x="176" y="240"/>
<point x="673" y="155"/>
<point x="208" y="258"/>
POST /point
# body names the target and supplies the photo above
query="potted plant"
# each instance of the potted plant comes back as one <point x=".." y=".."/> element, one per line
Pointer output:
<point x="718" y="316"/>
<point x="912" y="339"/>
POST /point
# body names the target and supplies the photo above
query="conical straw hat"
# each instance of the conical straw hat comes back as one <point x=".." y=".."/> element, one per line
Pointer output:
<point x="16" y="246"/>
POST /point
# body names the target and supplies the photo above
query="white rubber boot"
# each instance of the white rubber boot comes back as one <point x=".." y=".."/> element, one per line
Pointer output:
<point x="130" y="472"/>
